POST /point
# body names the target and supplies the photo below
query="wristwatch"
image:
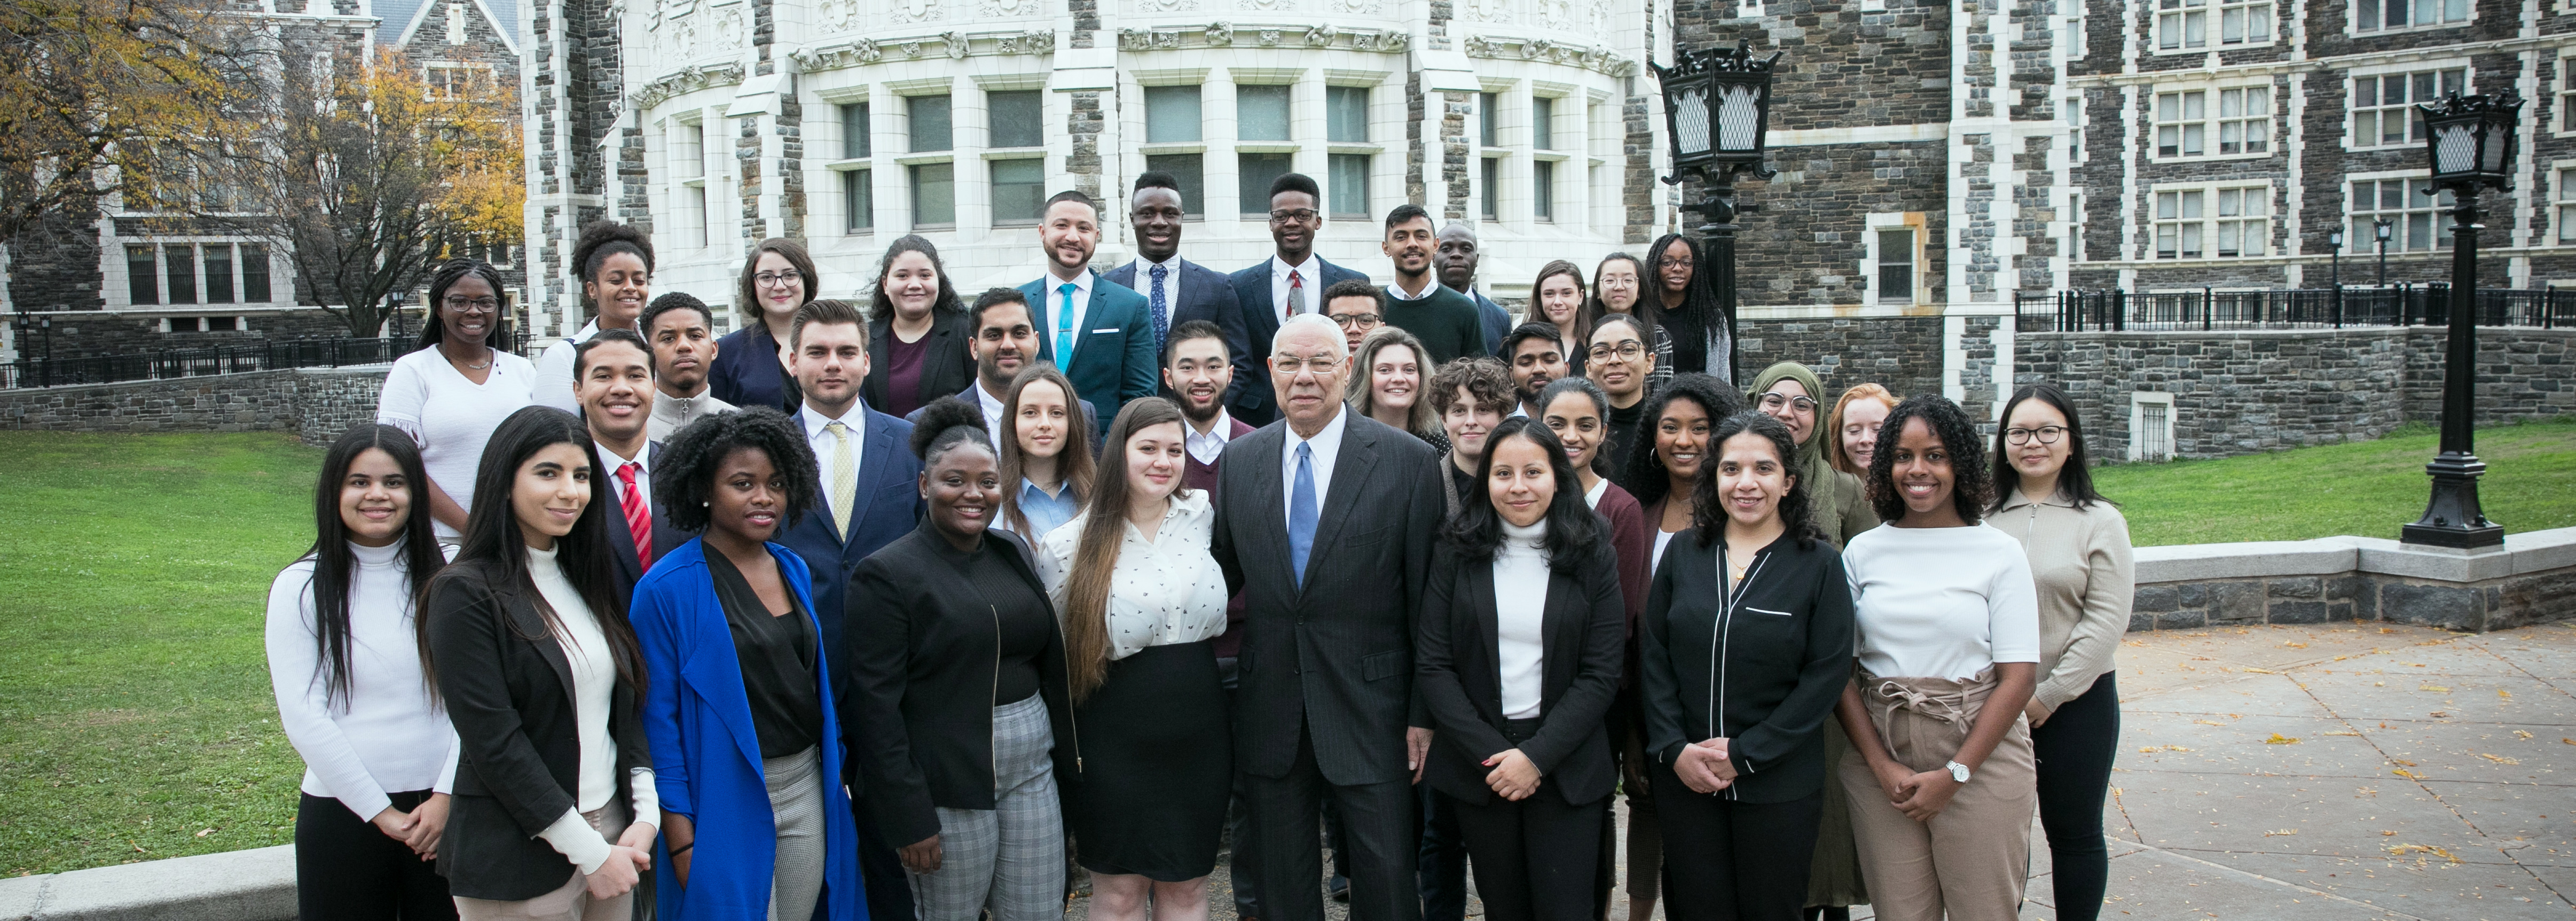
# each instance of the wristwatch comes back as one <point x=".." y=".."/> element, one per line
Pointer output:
<point x="1958" y="772"/>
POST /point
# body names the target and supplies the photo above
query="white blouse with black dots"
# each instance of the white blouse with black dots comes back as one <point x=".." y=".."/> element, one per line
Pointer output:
<point x="1165" y="591"/>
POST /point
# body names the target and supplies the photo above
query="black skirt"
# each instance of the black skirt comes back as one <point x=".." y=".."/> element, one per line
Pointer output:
<point x="1157" y="766"/>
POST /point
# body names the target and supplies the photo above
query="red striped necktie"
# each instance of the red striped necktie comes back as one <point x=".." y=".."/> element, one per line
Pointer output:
<point x="639" y="520"/>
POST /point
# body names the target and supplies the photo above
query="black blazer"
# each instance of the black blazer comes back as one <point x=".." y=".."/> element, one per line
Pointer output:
<point x="1332" y="657"/>
<point x="511" y="699"/>
<point x="1773" y="660"/>
<point x="1206" y="294"/>
<point x="924" y="654"/>
<point x="621" y="542"/>
<point x="1254" y="403"/>
<point x="945" y="369"/>
<point x="1584" y="630"/>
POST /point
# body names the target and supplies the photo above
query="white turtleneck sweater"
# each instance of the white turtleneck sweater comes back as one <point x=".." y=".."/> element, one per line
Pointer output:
<point x="1520" y="612"/>
<point x="386" y="736"/>
<point x="594" y="683"/>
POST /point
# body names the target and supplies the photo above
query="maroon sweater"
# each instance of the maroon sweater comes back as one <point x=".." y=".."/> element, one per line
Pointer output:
<point x="1203" y="476"/>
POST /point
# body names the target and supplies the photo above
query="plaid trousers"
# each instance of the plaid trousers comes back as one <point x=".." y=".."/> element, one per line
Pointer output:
<point x="1009" y="858"/>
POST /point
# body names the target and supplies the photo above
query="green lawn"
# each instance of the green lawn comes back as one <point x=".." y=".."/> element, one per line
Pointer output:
<point x="2367" y="488"/>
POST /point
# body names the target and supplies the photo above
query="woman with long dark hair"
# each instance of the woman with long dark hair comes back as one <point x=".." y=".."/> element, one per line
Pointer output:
<point x="450" y="394"/>
<point x="1142" y="600"/>
<point x="1518" y="658"/>
<point x="1948" y="628"/>
<point x="555" y="805"/>
<point x="344" y="660"/>
<point x="1686" y="303"/>
<point x="751" y="363"/>
<point x="1744" y="648"/>
<point x="917" y="331"/>
<point x="1046" y="455"/>
<point x="1618" y="287"/>
<point x="1557" y="299"/>
<point x="615" y="265"/>
<point x="2081" y="565"/>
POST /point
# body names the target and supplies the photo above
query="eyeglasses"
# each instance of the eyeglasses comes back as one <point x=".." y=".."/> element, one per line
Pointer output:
<point x="1289" y="365"/>
<point x="1300" y="215"/>
<point x="2047" y="434"/>
<point x="473" y="304"/>
<point x="778" y="279"/>
<point x="1626" y="350"/>
<point x="1361" y="320"/>
<point x="1773" y="402"/>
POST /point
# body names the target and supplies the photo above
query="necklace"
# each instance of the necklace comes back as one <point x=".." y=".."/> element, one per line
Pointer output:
<point x="472" y="366"/>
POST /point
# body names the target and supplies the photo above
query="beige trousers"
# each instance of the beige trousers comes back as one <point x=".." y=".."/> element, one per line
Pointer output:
<point x="573" y="901"/>
<point x="1971" y="860"/>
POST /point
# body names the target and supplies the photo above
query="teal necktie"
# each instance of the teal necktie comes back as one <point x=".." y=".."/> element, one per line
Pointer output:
<point x="1064" y="328"/>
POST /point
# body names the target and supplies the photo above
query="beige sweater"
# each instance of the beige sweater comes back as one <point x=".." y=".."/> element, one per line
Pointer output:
<point x="2081" y="563"/>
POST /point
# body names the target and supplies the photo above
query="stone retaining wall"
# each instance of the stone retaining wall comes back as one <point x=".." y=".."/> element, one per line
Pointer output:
<point x="315" y="403"/>
<point x="2531" y="579"/>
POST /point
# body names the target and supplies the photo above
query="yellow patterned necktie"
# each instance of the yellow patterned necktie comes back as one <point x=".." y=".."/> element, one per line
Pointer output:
<point x="845" y="474"/>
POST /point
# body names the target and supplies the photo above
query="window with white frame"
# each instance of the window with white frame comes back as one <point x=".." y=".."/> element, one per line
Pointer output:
<point x="2383" y="104"/>
<point x="2211" y="222"/>
<point x="2151" y="418"/>
<point x="2384" y="15"/>
<point x="2241" y="119"/>
<point x="2412" y="212"/>
<point x="685" y="149"/>
<point x="2192" y="25"/>
<point x="1896" y="269"/>
<point x="2244" y="120"/>
<point x="2182" y="123"/>
<point x="2565" y="195"/>
<point x="858" y="201"/>
<point x="1172" y="117"/>
<point x="2567" y="94"/>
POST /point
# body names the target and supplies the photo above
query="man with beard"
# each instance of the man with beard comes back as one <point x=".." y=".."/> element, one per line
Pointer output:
<point x="1536" y="357"/>
<point x="1005" y="340"/>
<point x="1095" y="331"/>
<point x="1444" y="320"/>
<point x="1176" y="290"/>
<point x="1457" y="259"/>
<point x="681" y="329"/>
<point x="1289" y="283"/>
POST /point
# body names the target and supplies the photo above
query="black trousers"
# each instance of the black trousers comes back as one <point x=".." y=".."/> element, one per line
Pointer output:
<point x="1733" y="861"/>
<point x="2074" y="750"/>
<point x="345" y="868"/>
<point x="1378" y="826"/>
<point x="1442" y="861"/>
<point x="1534" y="859"/>
<point x="880" y="871"/>
<point x="1243" y="855"/>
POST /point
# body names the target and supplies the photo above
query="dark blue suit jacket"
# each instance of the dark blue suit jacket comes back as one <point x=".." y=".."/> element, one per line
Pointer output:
<point x="746" y="372"/>
<point x="1113" y="354"/>
<point x="1206" y="294"/>
<point x="1498" y="323"/>
<point x="706" y="753"/>
<point x="887" y="506"/>
<point x="1254" y="403"/>
<point x="621" y="542"/>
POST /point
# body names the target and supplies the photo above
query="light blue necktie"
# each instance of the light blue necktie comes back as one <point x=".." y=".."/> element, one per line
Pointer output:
<point x="1064" y="328"/>
<point x="1162" y="319"/>
<point x="1301" y="512"/>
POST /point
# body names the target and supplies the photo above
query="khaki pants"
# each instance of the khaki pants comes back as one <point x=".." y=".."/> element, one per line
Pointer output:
<point x="1971" y="860"/>
<point x="573" y="901"/>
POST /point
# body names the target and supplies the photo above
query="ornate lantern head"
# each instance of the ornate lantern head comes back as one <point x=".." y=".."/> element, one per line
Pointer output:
<point x="1717" y="106"/>
<point x="2470" y="139"/>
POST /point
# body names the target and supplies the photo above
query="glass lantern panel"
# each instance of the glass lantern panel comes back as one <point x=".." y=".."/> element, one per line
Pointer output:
<point x="1690" y="120"/>
<point x="1739" y="118"/>
<point x="2455" y="148"/>
<point x="2498" y="140"/>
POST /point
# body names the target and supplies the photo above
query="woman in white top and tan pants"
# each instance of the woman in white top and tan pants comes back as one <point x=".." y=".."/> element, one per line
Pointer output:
<point x="1142" y="599"/>
<point x="1942" y="794"/>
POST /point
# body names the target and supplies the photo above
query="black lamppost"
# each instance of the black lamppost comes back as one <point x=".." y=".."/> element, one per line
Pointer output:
<point x="1717" y="112"/>
<point x="2335" y="276"/>
<point x="393" y="305"/>
<point x="2384" y="229"/>
<point x="2471" y="143"/>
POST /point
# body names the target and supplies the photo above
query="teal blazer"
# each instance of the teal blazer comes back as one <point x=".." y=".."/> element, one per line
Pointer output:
<point x="1113" y="353"/>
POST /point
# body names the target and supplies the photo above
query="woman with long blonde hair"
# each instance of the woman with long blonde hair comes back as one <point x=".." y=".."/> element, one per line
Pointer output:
<point x="1142" y="599"/>
<point x="1044" y="444"/>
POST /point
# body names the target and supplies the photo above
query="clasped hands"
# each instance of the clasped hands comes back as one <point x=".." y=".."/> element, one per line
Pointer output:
<point x="628" y="860"/>
<point x="1705" y="766"/>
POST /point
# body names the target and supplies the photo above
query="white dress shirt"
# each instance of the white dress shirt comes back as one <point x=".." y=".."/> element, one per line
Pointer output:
<point x="1313" y="272"/>
<point x="823" y="441"/>
<point x="1162" y="592"/>
<point x="1206" y="448"/>
<point x="643" y="478"/>
<point x="1048" y="315"/>
<point x="1327" y="448"/>
<point x="554" y="384"/>
<point x="1171" y="282"/>
<point x="992" y="406"/>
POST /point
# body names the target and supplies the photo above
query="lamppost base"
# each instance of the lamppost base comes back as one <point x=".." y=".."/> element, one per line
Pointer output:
<point x="2453" y="518"/>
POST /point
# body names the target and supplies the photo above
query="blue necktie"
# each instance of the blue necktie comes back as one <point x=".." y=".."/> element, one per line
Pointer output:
<point x="1162" y="319"/>
<point x="1301" y="512"/>
<point x="1064" y="328"/>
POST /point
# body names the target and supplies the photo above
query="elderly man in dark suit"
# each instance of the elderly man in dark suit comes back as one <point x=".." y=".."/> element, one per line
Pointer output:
<point x="1325" y="523"/>
<point x="1289" y="283"/>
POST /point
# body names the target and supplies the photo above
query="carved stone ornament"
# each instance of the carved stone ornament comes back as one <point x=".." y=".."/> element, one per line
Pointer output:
<point x="688" y="80"/>
<point x="1320" y="35"/>
<point x="1270" y="38"/>
<point x="1220" y="34"/>
<point x="919" y="10"/>
<point x="1595" y="58"/>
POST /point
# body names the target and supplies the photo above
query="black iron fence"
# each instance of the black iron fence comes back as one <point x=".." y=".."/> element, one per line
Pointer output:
<point x="164" y="364"/>
<point x="2311" y="308"/>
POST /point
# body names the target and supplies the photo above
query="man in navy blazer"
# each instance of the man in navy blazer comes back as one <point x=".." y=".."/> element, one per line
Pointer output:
<point x="1098" y="333"/>
<point x="1176" y="290"/>
<point x="1262" y="291"/>
<point x="613" y="386"/>
<point x="1456" y="259"/>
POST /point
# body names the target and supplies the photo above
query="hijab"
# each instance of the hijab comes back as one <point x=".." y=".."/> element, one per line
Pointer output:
<point x="1815" y="472"/>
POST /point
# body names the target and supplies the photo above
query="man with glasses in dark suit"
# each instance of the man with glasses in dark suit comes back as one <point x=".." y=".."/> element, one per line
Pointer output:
<point x="1289" y="283"/>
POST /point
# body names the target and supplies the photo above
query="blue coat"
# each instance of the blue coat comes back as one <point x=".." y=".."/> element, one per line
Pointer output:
<point x="888" y="505"/>
<point x="1113" y="354"/>
<point x="1254" y="403"/>
<point x="746" y="372"/>
<point x="1206" y="294"/>
<point x="706" y="755"/>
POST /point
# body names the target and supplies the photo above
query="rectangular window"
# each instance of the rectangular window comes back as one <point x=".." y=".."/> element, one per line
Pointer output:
<point x="1260" y="114"/>
<point x="254" y="269"/>
<point x="1190" y="173"/>
<point x="1543" y="123"/>
<point x="2243" y="227"/>
<point x="142" y="276"/>
<point x="2180" y="217"/>
<point x="2566" y="206"/>
<point x="2383" y="15"/>
<point x="2567" y="94"/>
<point x="1489" y="119"/>
<point x="1346" y="114"/>
<point x="1350" y="191"/>
<point x="182" y="324"/>
<point x="2413" y="214"/>
<point x="854" y="132"/>
<point x="1172" y="114"/>
<point x="2245" y="23"/>
<point x="2205" y="223"/>
<point x="1896" y="266"/>
<point x="1543" y="191"/>
<point x="859" y="201"/>
<point x="1019" y="191"/>
<point x="1016" y="119"/>
<point x="1489" y="190"/>
<point x="2182" y="124"/>
<point x="688" y="151"/>
<point x="219" y="273"/>
<point x="2245" y="120"/>
<point x="2182" y="24"/>
<point x="1257" y="170"/>
<point x="934" y="196"/>
<point x="180" y="260"/>
<point x="2383" y="105"/>
<point x="930" y="130"/>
